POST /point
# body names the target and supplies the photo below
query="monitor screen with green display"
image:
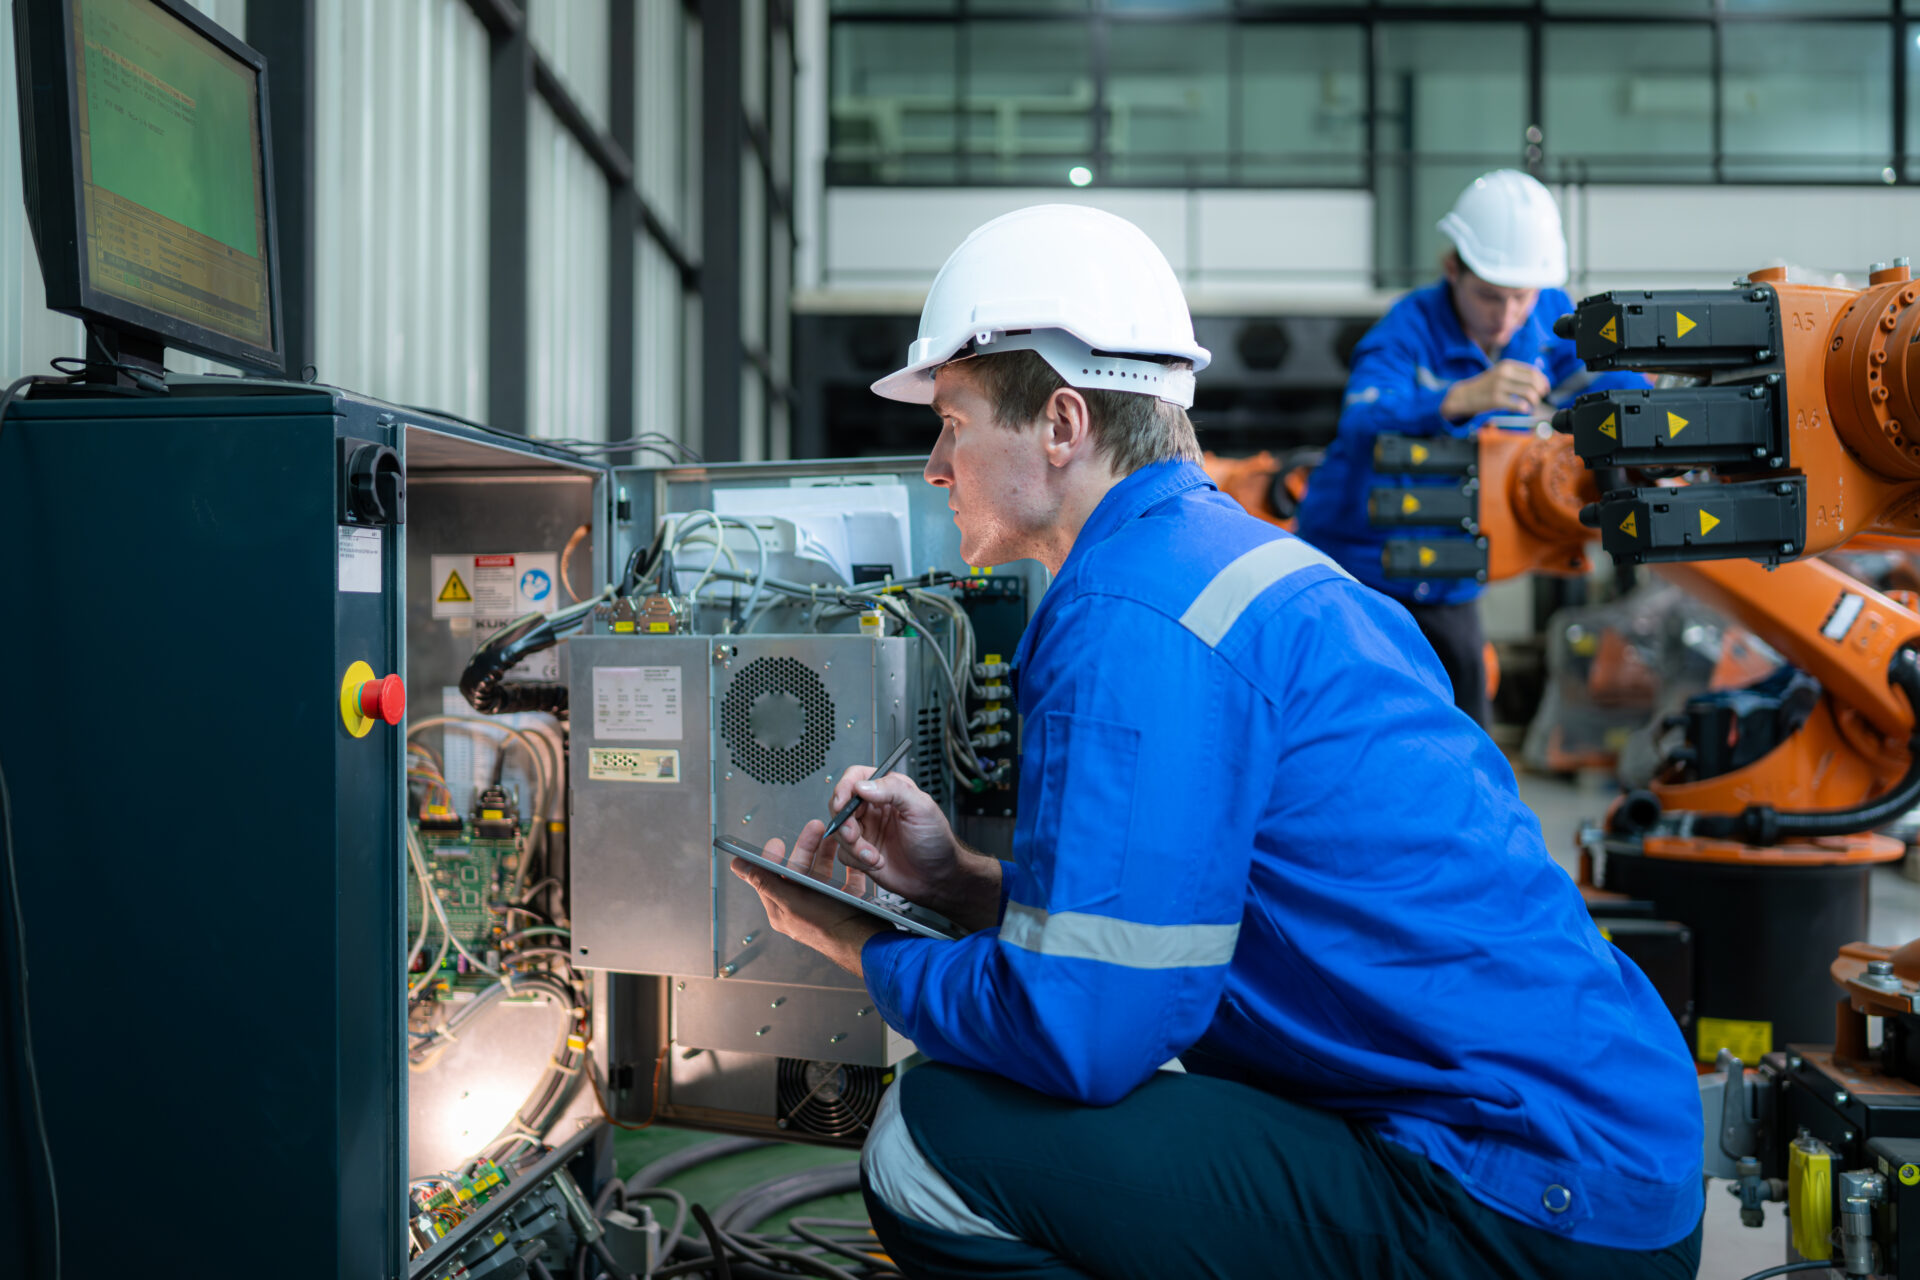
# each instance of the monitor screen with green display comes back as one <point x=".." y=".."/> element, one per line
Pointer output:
<point x="156" y="126"/>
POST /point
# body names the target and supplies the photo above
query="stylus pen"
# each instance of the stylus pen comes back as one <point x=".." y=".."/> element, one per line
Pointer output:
<point x="887" y="766"/>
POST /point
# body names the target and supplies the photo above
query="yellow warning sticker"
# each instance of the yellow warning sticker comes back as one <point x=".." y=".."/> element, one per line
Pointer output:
<point x="623" y="625"/>
<point x="1708" y="523"/>
<point x="1408" y="504"/>
<point x="1426" y="556"/>
<point x="1749" y="1041"/>
<point x="1611" y="329"/>
<point x="1675" y="424"/>
<point x="1420" y="453"/>
<point x="659" y="628"/>
<point x="1631" y="525"/>
<point x="1610" y="428"/>
<point x="1683" y="324"/>
<point x="1909" y="1174"/>
<point x="499" y="1237"/>
<point x="992" y="659"/>
<point x="455" y="591"/>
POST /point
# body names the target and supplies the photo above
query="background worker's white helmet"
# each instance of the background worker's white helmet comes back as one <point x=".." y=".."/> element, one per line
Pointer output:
<point x="1507" y="230"/>
<point x="1085" y="290"/>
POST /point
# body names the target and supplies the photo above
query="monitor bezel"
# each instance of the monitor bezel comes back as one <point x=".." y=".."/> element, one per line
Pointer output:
<point x="49" y="111"/>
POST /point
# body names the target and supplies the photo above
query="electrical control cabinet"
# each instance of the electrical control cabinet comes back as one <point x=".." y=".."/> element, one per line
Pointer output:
<point x="250" y="802"/>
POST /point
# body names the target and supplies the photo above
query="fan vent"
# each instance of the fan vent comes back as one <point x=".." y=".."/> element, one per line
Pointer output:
<point x="829" y="1099"/>
<point x="778" y="720"/>
<point x="929" y="766"/>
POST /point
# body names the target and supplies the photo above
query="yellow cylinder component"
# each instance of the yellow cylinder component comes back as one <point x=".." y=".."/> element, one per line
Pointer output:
<point x="1810" y="1197"/>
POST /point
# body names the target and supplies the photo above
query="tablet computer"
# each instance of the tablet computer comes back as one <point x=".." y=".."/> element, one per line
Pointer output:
<point x="906" y="916"/>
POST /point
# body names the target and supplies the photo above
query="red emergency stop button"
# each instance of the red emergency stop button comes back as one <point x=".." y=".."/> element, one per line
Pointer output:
<point x="383" y="699"/>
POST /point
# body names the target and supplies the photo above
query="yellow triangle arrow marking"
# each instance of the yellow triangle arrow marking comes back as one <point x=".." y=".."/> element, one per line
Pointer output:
<point x="455" y="592"/>
<point x="1611" y="329"/>
<point x="1419" y="453"/>
<point x="1708" y="523"/>
<point x="1426" y="556"/>
<point x="1630" y="527"/>
<point x="1408" y="504"/>
<point x="1675" y="424"/>
<point x="1609" y="429"/>
<point x="1682" y="325"/>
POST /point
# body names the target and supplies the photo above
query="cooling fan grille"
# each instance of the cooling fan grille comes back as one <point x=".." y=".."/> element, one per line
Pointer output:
<point x="830" y="1099"/>
<point x="778" y="720"/>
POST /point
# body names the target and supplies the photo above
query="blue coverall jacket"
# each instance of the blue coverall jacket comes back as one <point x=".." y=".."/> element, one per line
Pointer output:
<point x="1254" y="831"/>
<point x="1401" y="372"/>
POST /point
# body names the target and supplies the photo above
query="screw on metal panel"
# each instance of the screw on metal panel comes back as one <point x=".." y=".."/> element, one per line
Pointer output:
<point x="1840" y="1098"/>
<point x="777" y="1003"/>
<point x="729" y="777"/>
<point x="1793" y="1061"/>
<point x="861" y="1013"/>
<point x="747" y="819"/>
<point x="1880" y="968"/>
<point x="762" y="1031"/>
<point x="781" y="1123"/>
<point x="827" y="667"/>
<point x="1847" y="1136"/>
<point x="748" y="940"/>
<point x="837" y="1038"/>
<point x="681" y="987"/>
<point x="689" y="1055"/>
<point x="727" y="970"/>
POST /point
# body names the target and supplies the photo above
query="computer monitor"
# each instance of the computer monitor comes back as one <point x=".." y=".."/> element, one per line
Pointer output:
<point x="149" y="179"/>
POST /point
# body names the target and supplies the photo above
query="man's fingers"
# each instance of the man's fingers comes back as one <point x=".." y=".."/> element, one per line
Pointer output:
<point x="814" y="853"/>
<point x="843" y="789"/>
<point x="774" y="850"/>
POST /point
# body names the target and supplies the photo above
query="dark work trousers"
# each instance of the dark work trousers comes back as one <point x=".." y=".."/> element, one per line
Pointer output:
<point x="1454" y="632"/>
<point x="1192" y="1176"/>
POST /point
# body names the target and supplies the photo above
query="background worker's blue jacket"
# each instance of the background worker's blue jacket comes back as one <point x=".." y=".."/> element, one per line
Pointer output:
<point x="1255" y="833"/>
<point x="1402" y="370"/>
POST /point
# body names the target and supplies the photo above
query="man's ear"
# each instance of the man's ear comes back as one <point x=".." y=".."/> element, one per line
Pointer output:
<point x="1069" y="426"/>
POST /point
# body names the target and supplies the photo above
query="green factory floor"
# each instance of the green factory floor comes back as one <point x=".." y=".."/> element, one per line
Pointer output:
<point x="712" y="1183"/>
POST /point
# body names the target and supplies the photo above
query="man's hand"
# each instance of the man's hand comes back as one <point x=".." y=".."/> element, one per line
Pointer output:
<point x="902" y="840"/>
<point x="832" y="928"/>
<point x="1508" y="387"/>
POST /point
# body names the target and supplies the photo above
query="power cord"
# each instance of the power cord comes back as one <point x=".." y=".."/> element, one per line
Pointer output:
<point x="26" y="1003"/>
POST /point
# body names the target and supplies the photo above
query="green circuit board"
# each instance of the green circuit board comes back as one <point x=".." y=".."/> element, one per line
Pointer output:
<point x="472" y="876"/>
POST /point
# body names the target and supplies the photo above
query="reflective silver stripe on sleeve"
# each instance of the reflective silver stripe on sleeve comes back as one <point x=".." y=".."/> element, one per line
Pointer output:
<point x="1238" y="585"/>
<point x="1080" y="936"/>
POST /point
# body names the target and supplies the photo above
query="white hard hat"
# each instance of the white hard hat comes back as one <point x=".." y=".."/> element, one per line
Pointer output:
<point x="1083" y="289"/>
<point x="1507" y="229"/>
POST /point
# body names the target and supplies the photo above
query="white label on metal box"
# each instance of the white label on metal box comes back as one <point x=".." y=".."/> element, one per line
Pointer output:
<point x="360" y="552"/>
<point x="483" y="593"/>
<point x="636" y="703"/>
<point x="633" y="764"/>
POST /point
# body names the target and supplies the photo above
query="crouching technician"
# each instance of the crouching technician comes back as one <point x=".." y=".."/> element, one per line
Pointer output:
<point x="1473" y="349"/>
<point x="1255" y="836"/>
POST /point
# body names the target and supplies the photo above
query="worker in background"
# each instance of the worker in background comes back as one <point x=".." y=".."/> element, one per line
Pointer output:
<point x="1474" y="348"/>
<point x="1255" y="837"/>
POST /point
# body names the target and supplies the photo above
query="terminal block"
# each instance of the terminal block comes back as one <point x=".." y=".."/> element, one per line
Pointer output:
<point x="1764" y="520"/>
<point x="1674" y="329"/>
<point x="1739" y="428"/>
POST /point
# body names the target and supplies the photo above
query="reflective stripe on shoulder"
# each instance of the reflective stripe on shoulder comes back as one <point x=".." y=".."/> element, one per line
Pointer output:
<point x="1080" y="936"/>
<point x="1220" y="605"/>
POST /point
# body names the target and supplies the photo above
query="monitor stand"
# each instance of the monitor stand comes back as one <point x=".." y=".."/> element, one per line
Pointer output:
<point x="123" y="362"/>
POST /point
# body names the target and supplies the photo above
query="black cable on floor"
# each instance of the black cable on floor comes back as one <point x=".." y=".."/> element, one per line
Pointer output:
<point x="670" y="1166"/>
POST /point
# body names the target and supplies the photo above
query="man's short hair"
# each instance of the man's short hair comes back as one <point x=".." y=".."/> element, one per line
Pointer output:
<point x="1129" y="429"/>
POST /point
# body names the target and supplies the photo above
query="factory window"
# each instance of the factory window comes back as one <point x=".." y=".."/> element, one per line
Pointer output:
<point x="1450" y="104"/>
<point x="1303" y="103"/>
<point x="1817" y="107"/>
<point x="1628" y="103"/>
<point x="1169" y="105"/>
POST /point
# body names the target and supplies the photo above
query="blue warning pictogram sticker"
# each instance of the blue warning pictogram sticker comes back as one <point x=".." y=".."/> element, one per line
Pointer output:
<point x="536" y="585"/>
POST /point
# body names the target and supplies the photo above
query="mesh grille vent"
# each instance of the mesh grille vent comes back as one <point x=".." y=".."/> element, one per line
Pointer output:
<point x="777" y="720"/>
